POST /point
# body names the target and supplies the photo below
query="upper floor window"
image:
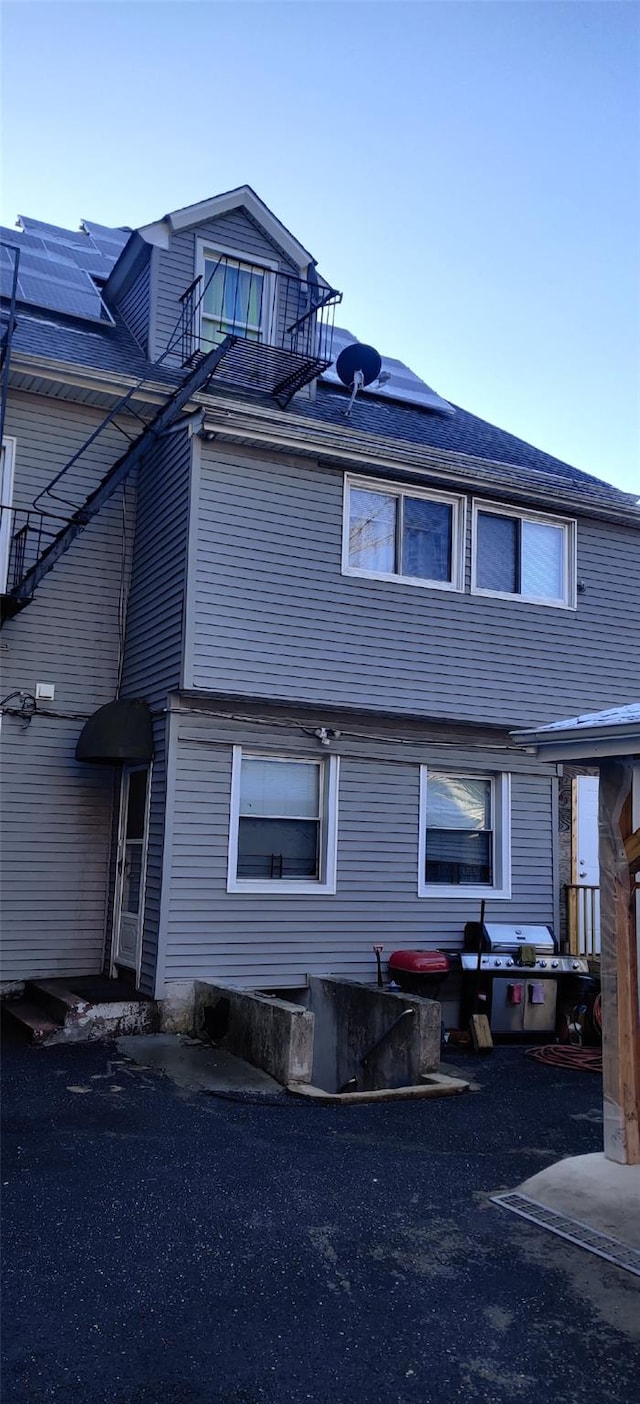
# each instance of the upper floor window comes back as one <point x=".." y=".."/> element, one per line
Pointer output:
<point x="283" y="824"/>
<point x="408" y="534"/>
<point x="523" y="555"/>
<point x="464" y="834"/>
<point x="237" y="297"/>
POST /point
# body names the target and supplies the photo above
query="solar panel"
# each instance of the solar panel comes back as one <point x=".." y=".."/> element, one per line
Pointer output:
<point x="51" y="231"/>
<point x="115" y="233"/>
<point x="110" y="242"/>
<point x="49" y="276"/>
<point x="67" y="245"/>
<point x="403" y="385"/>
<point x="92" y="261"/>
<point x="60" y="297"/>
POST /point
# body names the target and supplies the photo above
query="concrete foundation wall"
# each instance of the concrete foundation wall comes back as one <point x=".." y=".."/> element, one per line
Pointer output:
<point x="350" y="1018"/>
<point x="177" y="1007"/>
<point x="270" y="1033"/>
<point x="321" y="1040"/>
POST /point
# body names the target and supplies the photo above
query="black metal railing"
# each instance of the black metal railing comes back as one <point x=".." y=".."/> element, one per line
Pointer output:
<point x="268" y="308"/>
<point x="352" y="1082"/>
<point x="24" y="535"/>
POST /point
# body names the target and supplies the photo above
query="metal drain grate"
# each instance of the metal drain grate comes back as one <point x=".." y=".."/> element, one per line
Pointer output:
<point x="612" y="1249"/>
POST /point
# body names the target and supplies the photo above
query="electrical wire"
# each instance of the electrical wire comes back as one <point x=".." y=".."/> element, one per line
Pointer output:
<point x="47" y="714"/>
<point x="27" y="709"/>
<point x="341" y="732"/>
<point x="17" y="692"/>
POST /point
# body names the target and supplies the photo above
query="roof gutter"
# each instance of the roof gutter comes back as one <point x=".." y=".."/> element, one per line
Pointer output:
<point x="330" y="444"/>
<point x="578" y="743"/>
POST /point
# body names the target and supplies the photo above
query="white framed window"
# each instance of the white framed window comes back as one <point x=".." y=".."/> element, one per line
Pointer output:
<point x="464" y="845"/>
<point x="238" y="295"/>
<point x="523" y="555"/>
<point x="410" y="534"/>
<point x="7" y="468"/>
<point x="283" y="823"/>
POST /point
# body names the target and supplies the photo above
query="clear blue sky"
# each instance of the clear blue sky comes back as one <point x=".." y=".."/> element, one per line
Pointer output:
<point x="467" y="173"/>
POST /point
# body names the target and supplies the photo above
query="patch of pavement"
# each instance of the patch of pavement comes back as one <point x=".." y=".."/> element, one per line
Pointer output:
<point x="198" y="1066"/>
<point x="165" y="1247"/>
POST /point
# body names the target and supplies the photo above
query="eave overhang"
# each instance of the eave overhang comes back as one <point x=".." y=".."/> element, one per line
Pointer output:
<point x="244" y="197"/>
<point x="573" y="744"/>
<point x="228" y="419"/>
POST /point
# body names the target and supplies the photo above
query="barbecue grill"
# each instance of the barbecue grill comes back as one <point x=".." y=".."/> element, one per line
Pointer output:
<point x="511" y="972"/>
<point x="419" y="972"/>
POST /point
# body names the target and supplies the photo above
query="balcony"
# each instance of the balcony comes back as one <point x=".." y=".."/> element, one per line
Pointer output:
<point x="24" y="535"/>
<point x="275" y="331"/>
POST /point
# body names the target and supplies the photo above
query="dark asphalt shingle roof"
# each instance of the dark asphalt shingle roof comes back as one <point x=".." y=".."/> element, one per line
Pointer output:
<point x="85" y="344"/>
<point x="114" y="350"/>
<point x="463" y="433"/>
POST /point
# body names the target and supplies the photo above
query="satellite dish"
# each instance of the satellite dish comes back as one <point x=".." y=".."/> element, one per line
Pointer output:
<point x="360" y="361"/>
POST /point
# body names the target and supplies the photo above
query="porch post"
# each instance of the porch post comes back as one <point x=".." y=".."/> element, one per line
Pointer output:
<point x="619" y="864"/>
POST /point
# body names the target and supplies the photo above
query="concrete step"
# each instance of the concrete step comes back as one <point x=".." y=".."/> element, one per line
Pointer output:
<point x="60" y="1003"/>
<point x="49" y="1012"/>
<point x="32" y="1021"/>
<point x="110" y="1019"/>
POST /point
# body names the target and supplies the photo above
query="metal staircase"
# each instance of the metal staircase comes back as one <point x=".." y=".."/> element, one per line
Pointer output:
<point x="41" y="537"/>
<point x="289" y="345"/>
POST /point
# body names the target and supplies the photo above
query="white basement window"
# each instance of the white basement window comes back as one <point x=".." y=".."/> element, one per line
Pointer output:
<point x="465" y="846"/>
<point x="523" y="555"/>
<point x="283" y="824"/>
<point x="411" y="534"/>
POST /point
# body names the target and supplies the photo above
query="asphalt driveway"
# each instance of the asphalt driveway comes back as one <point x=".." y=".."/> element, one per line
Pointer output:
<point x="168" y="1247"/>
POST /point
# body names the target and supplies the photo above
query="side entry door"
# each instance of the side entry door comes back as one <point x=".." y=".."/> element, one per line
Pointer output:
<point x="132" y="859"/>
<point x="586" y="862"/>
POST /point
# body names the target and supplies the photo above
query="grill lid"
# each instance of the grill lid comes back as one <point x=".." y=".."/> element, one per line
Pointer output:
<point x="419" y="962"/>
<point x="505" y="936"/>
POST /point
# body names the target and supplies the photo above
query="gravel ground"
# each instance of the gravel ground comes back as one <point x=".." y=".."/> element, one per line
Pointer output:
<point x="163" y="1246"/>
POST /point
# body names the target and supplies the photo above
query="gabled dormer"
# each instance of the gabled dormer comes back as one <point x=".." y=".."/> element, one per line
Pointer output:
<point x="227" y="273"/>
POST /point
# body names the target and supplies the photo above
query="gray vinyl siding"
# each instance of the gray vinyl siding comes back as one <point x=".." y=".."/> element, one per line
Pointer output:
<point x="55" y="852"/>
<point x="57" y="813"/>
<point x="134" y="306"/>
<point x="277" y="940"/>
<point x="153" y="644"/>
<point x="176" y="266"/>
<point x="274" y="616"/>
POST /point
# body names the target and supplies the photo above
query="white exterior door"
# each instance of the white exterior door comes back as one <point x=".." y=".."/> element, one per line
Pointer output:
<point x="586" y="862"/>
<point x="132" y="854"/>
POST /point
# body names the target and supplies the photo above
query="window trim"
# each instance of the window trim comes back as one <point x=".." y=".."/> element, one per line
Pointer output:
<point x="207" y="247"/>
<point x="458" y="503"/>
<point x="501" y="829"/>
<point x="325" y="884"/>
<point x="569" y="527"/>
<point x="7" y="479"/>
